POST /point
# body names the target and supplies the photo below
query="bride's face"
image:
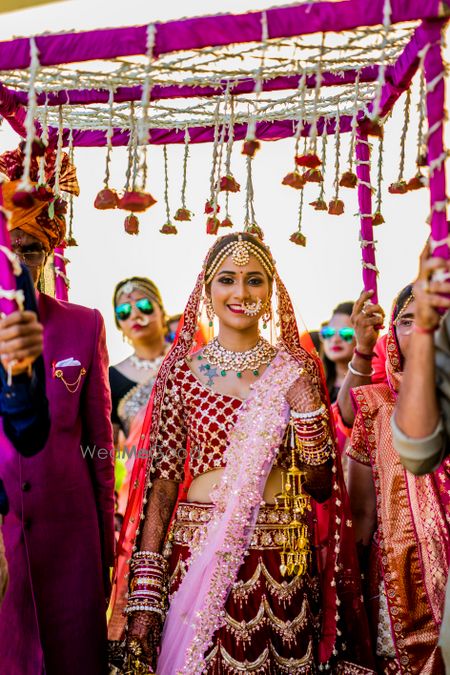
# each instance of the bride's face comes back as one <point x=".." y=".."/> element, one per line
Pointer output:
<point x="236" y="289"/>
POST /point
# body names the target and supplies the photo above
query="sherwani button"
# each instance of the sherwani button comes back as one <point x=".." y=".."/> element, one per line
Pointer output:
<point x="26" y="486"/>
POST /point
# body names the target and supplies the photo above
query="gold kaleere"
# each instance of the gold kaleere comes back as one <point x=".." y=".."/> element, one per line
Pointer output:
<point x="296" y="552"/>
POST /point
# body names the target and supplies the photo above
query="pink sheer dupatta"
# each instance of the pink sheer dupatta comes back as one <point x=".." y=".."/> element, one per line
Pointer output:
<point x="196" y="609"/>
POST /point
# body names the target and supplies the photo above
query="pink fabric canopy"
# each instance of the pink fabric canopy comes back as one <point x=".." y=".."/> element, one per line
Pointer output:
<point x="207" y="31"/>
<point x="226" y="29"/>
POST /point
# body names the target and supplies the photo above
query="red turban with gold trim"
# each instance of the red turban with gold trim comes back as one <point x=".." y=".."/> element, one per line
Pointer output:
<point x="44" y="219"/>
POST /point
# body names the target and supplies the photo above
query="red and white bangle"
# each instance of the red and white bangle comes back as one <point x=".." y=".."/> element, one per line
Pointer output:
<point x="366" y="357"/>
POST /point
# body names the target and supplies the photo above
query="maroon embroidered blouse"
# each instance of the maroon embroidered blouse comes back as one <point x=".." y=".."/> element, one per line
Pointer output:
<point x="191" y="410"/>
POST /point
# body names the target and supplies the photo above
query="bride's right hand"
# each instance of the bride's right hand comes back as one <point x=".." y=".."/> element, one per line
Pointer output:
<point x="143" y="636"/>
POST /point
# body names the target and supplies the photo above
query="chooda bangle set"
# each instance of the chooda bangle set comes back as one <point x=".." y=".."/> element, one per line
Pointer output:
<point x="309" y="442"/>
<point x="148" y="583"/>
<point x="312" y="432"/>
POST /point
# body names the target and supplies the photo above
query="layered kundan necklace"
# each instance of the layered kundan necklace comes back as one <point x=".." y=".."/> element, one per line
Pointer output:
<point x="252" y="359"/>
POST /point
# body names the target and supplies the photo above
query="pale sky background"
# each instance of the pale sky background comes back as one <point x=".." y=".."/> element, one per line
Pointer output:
<point x="318" y="277"/>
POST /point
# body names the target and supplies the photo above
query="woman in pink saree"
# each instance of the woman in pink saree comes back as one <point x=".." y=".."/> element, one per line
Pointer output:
<point x="236" y="581"/>
<point x="401" y="520"/>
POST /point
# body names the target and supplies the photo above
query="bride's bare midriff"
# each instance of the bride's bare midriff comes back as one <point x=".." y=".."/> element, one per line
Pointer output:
<point x="202" y="486"/>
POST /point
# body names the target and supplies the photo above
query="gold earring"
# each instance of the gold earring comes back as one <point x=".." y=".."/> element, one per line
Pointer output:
<point x="209" y="311"/>
<point x="266" y="317"/>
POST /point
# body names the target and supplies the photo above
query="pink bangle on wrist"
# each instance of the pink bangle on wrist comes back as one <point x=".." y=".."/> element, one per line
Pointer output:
<point x="424" y="331"/>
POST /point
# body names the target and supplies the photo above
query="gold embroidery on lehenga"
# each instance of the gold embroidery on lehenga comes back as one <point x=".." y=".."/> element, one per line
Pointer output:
<point x="244" y="666"/>
<point x="288" y="629"/>
<point x="294" y="666"/>
<point x="242" y="631"/>
<point x="263" y="664"/>
<point x="282" y="590"/>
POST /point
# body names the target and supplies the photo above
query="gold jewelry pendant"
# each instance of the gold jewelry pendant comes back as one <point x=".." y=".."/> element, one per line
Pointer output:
<point x="72" y="387"/>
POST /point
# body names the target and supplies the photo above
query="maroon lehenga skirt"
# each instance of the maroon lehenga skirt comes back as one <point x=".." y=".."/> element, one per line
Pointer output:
<point x="271" y="622"/>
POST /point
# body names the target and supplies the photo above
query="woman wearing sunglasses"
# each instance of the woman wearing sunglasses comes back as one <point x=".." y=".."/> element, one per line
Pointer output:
<point x="338" y="342"/>
<point x="139" y="315"/>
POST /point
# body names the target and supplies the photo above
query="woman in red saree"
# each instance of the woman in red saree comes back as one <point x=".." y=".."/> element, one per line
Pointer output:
<point x="403" y="521"/>
<point x="248" y="589"/>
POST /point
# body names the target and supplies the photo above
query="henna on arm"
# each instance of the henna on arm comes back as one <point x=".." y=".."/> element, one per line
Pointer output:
<point x="160" y="506"/>
<point x="145" y="628"/>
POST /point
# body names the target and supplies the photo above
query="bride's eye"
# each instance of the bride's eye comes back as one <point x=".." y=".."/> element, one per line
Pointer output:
<point x="255" y="281"/>
<point x="225" y="280"/>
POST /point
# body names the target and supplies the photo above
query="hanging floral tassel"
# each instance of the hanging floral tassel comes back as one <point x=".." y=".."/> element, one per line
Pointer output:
<point x="251" y="145"/>
<point x="228" y="182"/>
<point x="23" y="197"/>
<point x="250" y="224"/>
<point x="168" y="227"/>
<point x="44" y="125"/>
<point x="70" y="239"/>
<point x="313" y="174"/>
<point x="422" y="159"/>
<point x="183" y="214"/>
<point x="298" y="237"/>
<point x="310" y="160"/>
<point x="400" y="186"/>
<point x="387" y="11"/>
<point x="212" y="207"/>
<point x="131" y="224"/>
<point x="336" y="205"/>
<point x="62" y="283"/>
<point x="295" y="179"/>
<point x="349" y="178"/>
<point x="108" y="198"/>
<point x="419" y="180"/>
<point x="377" y="218"/>
<point x="320" y="204"/>
<point x="231" y="181"/>
<point x="133" y="199"/>
<point x="143" y="125"/>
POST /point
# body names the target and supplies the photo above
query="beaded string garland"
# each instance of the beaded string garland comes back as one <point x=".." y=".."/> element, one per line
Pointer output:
<point x="278" y="82"/>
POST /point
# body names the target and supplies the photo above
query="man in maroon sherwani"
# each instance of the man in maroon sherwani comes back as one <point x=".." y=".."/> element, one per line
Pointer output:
<point x="59" y="531"/>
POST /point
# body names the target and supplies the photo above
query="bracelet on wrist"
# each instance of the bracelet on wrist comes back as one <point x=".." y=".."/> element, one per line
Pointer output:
<point x="308" y="415"/>
<point x="353" y="371"/>
<point x="424" y="331"/>
<point x="362" y="355"/>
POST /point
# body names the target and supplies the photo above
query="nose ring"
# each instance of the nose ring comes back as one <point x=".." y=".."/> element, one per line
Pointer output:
<point x="252" y="308"/>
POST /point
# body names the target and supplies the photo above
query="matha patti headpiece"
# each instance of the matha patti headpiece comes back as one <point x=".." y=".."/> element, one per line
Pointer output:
<point x="240" y="251"/>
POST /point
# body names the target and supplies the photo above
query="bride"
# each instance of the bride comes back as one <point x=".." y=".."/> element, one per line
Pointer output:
<point x="234" y="579"/>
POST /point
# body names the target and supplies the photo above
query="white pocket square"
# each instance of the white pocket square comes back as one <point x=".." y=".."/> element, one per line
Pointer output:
<point x="67" y="362"/>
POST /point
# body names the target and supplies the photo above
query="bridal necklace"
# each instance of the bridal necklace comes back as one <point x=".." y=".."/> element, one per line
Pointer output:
<point x="146" y="364"/>
<point x="218" y="357"/>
